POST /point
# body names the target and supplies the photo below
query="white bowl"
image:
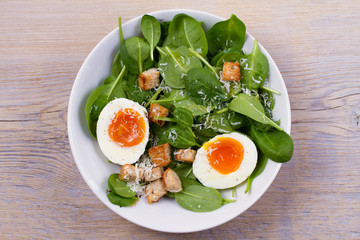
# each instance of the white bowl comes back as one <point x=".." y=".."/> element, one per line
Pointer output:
<point x="166" y="215"/>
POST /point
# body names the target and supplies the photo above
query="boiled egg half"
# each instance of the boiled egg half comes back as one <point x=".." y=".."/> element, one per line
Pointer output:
<point x="225" y="160"/>
<point x="123" y="131"/>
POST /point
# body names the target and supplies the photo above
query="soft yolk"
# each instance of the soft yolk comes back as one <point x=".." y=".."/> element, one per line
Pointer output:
<point x="225" y="154"/>
<point x="127" y="128"/>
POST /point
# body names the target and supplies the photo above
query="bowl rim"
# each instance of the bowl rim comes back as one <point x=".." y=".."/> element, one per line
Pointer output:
<point x="70" y="120"/>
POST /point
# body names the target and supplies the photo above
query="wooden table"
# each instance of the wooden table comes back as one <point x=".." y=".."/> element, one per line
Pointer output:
<point x="316" y="45"/>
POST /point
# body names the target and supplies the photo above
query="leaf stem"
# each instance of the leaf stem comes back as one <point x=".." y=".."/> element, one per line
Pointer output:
<point x="121" y="32"/>
<point x="156" y="94"/>
<point x="118" y="79"/>
<point x="226" y="201"/>
<point x="169" y="100"/>
<point x="270" y="90"/>
<point x="160" y="50"/>
<point x="233" y="191"/>
<point x="223" y="110"/>
<point x="165" y="119"/>
<point x="204" y="61"/>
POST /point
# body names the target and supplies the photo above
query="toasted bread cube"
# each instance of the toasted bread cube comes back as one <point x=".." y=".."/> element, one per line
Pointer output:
<point x="149" y="79"/>
<point x="172" y="181"/>
<point x="156" y="110"/>
<point x="152" y="174"/>
<point x="155" y="190"/>
<point x="160" y="155"/>
<point x="231" y="71"/>
<point x="131" y="173"/>
<point x="185" y="155"/>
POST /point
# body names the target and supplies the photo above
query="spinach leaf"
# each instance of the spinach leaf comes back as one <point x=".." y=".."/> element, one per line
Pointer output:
<point x="276" y="145"/>
<point x="229" y="57"/>
<point x="260" y="166"/>
<point x="184" y="170"/>
<point x="236" y="120"/>
<point x="183" y="117"/>
<point x="117" y="65"/>
<point x="203" y="87"/>
<point x="131" y="64"/>
<point x="250" y="106"/>
<point x="119" y="187"/>
<point x="195" y="109"/>
<point x="159" y="132"/>
<point x="226" y="34"/>
<point x="150" y="28"/>
<point x="121" y="201"/>
<point x="254" y="68"/>
<point x="199" y="199"/>
<point x="179" y="99"/>
<point x="180" y="137"/>
<point x="186" y="31"/>
<point x="135" y="93"/>
<point x="216" y="58"/>
<point x="138" y="49"/>
<point x="175" y="64"/>
<point x="185" y="182"/>
<point x="101" y="96"/>
<point x="217" y="123"/>
<point x="267" y="100"/>
<point x="164" y="31"/>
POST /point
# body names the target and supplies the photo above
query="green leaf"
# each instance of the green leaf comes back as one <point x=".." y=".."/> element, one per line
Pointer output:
<point x="199" y="199"/>
<point x="119" y="187"/>
<point x="135" y="93"/>
<point x="164" y="31"/>
<point x="203" y="87"/>
<point x="215" y="59"/>
<point x="184" y="170"/>
<point x="267" y="100"/>
<point x="226" y="34"/>
<point x="121" y="201"/>
<point x="180" y="137"/>
<point x="117" y="65"/>
<point x="185" y="182"/>
<point x="183" y="117"/>
<point x="195" y="109"/>
<point x="276" y="145"/>
<point x="254" y="68"/>
<point x="250" y="106"/>
<point x="175" y="64"/>
<point x="229" y="57"/>
<point x="260" y="166"/>
<point x="186" y="31"/>
<point x="138" y="49"/>
<point x="150" y="28"/>
<point x="236" y="120"/>
<point x="218" y="123"/>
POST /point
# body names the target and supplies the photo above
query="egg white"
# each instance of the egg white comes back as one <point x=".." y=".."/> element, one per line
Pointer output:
<point x="115" y="153"/>
<point x="209" y="177"/>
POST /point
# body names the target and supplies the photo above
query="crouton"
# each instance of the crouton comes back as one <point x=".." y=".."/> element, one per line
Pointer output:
<point x="160" y="155"/>
<point x="231" y="71"/>
<point x="185" y="155"/>
<point x="172" y="181"/>
<point x="156" y="110"/>
<point x="131" y="173"/>
<point x="149" y="79"/>
<point x="155" y="190"/>
<point x="152" y="174"/>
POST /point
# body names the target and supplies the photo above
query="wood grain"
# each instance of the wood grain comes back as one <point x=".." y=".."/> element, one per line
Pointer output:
<point x="316" y="45"/>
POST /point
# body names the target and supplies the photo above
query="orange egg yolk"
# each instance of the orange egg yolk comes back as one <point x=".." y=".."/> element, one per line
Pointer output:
<point x="127" y="128"/>
<point x="225" y="154"/>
